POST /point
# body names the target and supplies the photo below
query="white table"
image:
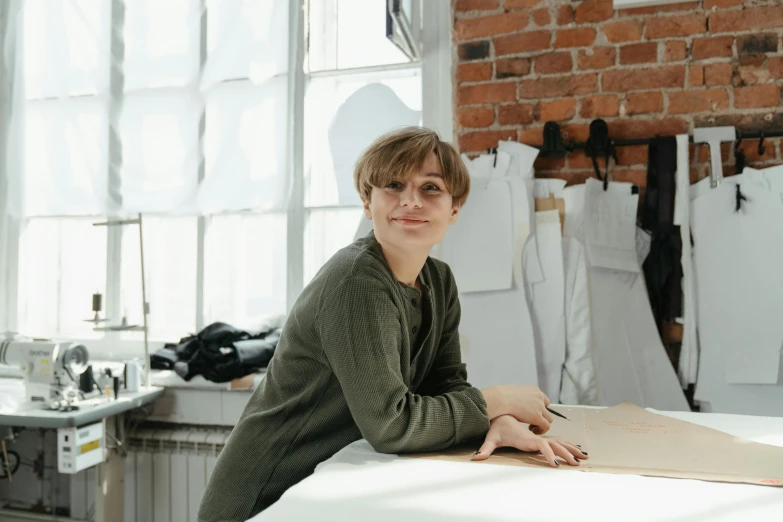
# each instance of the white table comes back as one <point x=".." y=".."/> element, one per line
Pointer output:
<point x="358" y="484"/>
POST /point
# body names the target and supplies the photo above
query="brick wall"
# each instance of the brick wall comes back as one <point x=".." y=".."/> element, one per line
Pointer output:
<point x="646" y="71"/>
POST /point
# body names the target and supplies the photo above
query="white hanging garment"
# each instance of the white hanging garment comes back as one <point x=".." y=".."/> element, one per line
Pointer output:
<point x="496" y="332"/>
<point x="578" y="382"/>
<point x="522" y="158"/>
<point x="739" y="285"/>
<point x="547" y="303"/>
<point x="630" y="361"/>
<point x="689" y="353"/>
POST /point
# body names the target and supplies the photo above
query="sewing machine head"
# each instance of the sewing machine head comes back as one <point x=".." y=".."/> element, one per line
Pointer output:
<point x="50" y="369"/>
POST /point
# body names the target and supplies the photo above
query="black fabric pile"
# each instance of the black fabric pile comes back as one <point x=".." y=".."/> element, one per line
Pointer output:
<point x="662" y="268"/>
<point x="219" y="352"/>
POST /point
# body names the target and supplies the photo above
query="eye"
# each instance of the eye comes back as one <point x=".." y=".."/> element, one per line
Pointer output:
<point x="394" y="185"/>
<point x="431" y="187"/>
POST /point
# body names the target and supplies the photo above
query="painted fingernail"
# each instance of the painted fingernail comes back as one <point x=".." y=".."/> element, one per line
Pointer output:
<point x="584" y="453"/>
<point x="578" y="446"/>
<point x="576" y="459"/>
<point x="477" y="453"/>
<point x="557" y="463"/>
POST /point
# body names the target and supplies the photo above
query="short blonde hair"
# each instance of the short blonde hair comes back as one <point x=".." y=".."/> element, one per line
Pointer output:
<point x="395" y="154"/>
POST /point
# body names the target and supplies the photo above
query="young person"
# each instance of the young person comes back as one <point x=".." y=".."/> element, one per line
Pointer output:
<point x="371" y="347"/>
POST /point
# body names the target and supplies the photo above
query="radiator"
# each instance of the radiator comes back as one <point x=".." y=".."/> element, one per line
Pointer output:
<point x="166" y="471"/>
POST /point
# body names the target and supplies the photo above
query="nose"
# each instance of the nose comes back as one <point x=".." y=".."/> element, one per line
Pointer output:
<point x="410" y="197"/>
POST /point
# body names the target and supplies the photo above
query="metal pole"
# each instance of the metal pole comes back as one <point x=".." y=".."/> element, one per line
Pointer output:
<point x="145" y="307"/>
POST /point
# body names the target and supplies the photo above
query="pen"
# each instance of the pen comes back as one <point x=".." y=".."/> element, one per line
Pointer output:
<point x="553" y="412"/>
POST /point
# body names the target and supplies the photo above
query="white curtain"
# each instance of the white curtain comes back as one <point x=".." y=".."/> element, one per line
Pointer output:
<point x="186" y="104"/>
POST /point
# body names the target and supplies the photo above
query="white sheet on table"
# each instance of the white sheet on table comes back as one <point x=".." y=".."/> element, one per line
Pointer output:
<point x="547" y="302"/>
<point x="359" y="484"/>
<point x="738" y="258"/>
<point x="479" y="246"/>
<point x="496" y="331"/>
<point x="610" y="226"/>
<point x="578" y="383"/>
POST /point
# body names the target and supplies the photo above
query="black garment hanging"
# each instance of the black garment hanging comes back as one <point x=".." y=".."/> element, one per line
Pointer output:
<point x="662" y="268"/>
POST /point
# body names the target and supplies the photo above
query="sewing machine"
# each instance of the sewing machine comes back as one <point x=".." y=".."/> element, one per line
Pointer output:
<point x="50" y="369"/>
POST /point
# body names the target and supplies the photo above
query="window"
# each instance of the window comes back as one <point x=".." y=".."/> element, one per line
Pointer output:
<point x="198" y="141"/>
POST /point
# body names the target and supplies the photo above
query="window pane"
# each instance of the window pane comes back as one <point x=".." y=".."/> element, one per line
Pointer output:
<point x="62" y="262"/>
<point x="161" y="43"/>
<point x="65" y="156"/>
<point x="66" y="47"/>
<point x="245" y="268"/>
<point x="170" y="269"/>
<point x="350" y="33"/>
<point x="246" y="39"/>
<point x="159" y="131"/>
<point x="337" y="132"/>
<point x="326" y="232"/>
<point x="245" y="146"/>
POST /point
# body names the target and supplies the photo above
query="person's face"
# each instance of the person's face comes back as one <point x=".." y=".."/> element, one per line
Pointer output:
<point x="412" y="212"/>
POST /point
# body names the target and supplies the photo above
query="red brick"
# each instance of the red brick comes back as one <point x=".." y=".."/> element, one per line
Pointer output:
<point x="750" y="19"/>
<point x="476" y="116"/>
<point x="696" y="73"/>
<point x="643" y="103"/>
<point x="474" y="72"/>
<point x="591" y="11"/>
<point x="632" y="155"/>
<point x="682" y="25"/>
<point x="579" y="160"/>
<point x="637" y="11"/>
<point x="684" y="102"/>
<point x="653" y="78"/>
<point x="541" y="16"/>
<point x="518" y="4"/>
<point x="686" y="6"/>
<point x="510" y="67"/>
<point x="709" y="4"/>
<point x="565" y="15"/>
<point x="757" y="97"/>
<point x="757" y="43"/>
<point x="532" y="136"/>
<point x="752" y="70"/>
<point x="523" y="42"/>
<point x="551" y="63"/>
<point x="718" y="47"/>
<point x="635" y="129"/>
<point x="473" y="51"/>
<point x="601" y="106"/>
<point x="544" y="164"/>
<point x="776" y="67"/>
<point x="558" y="110"/>
<point x="646" y="52"/>
<point x="480" y="141"/>
<point x="477" y="5"/>
<point x="718" y="74"/>
<point x="471" y="28"/>
<point x="676" y="50"/>
<point x="599" y="58"/>
<point x="557" y="86"/>
<point x="579" y="37"/>
<point x="576" y="132"/>
<point x="487" y="93"/>
<point x="517" y="114"/>
<point x="636" y="176"/>
<point x="623" y="31"/>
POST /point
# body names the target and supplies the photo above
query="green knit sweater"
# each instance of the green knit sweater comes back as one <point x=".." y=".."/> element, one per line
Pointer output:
<point x="345" y="369"/>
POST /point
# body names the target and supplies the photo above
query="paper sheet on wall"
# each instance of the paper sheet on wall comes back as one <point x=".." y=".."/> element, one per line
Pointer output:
<point x="738" y="255"/>
<point x="547" y="304"/>
<point x="627" y="439"/>
<point x="609" y="221"/>
<point x="479" y="246"/>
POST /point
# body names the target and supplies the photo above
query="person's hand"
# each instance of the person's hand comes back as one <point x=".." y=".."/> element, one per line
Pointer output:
<point x="506" y="431"/>
<point x="525" y="403"/>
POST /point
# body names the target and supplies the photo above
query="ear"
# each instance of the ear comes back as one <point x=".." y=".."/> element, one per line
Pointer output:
<point x="367" y="211"/>
<point x="454" y="213"/>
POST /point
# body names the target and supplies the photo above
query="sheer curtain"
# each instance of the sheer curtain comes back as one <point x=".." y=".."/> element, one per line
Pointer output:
<point x="175" y="97"/>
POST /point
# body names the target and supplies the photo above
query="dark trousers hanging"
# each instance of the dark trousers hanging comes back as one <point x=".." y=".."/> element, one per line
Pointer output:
<point x="662" y="268"/>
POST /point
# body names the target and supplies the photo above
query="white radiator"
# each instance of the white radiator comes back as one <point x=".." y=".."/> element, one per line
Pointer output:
<point x="165" y="475"/>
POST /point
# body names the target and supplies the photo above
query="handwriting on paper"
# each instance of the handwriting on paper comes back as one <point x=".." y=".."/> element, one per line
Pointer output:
<point x="641" y="428"/>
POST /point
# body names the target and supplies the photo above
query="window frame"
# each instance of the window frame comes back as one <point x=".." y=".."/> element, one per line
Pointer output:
<point x="437" y="113"/>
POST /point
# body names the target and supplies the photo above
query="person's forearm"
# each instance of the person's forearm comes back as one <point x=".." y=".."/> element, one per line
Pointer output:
<point x="495" y="403"/>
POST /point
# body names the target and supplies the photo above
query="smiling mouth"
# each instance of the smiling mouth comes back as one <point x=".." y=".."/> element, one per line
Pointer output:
<point x="410" y="221"/>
